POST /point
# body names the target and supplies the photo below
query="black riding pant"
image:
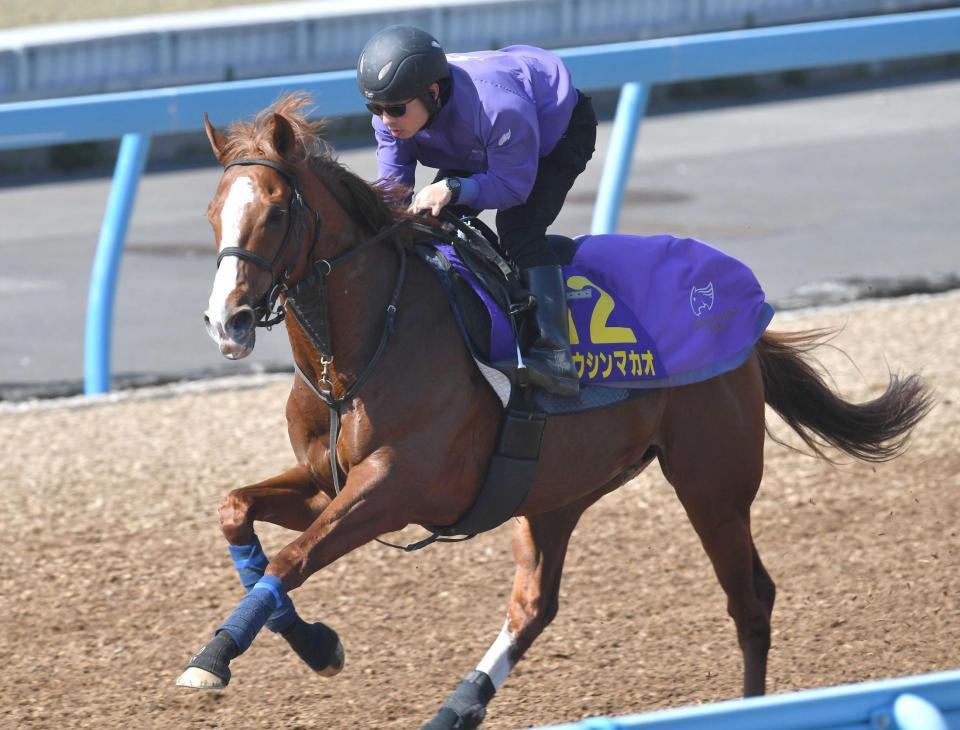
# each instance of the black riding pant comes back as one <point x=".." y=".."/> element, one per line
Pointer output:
<point x="523" y="228"/>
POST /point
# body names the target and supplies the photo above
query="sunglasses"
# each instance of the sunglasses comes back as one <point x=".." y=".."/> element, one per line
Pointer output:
<point x="391" y="110"/>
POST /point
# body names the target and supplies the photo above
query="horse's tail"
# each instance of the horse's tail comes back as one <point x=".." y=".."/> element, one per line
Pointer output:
<point x="873" y="431"/>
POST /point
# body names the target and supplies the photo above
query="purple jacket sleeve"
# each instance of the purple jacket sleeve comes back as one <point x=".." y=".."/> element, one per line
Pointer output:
<point x="394" y="160"/>
<point x="512" y="157"/>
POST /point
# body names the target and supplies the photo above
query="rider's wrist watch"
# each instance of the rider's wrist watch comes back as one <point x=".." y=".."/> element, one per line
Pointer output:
<point x="453" y="185"/>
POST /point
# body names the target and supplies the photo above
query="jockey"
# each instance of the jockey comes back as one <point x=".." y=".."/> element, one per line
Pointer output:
<point x="507" y="131"/>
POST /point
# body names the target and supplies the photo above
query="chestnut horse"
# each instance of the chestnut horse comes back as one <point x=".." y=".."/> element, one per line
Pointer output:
<point x="419" y="421"/>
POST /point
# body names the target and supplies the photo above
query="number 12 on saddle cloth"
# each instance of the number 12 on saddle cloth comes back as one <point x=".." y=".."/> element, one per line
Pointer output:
<point x="651" y="311"/>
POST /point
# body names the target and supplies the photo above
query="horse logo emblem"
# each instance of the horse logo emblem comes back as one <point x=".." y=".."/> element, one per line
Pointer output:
<point x="701" y="298"/>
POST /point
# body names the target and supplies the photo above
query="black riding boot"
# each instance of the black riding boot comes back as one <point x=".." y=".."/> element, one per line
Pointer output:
<point x="548" y="361"/>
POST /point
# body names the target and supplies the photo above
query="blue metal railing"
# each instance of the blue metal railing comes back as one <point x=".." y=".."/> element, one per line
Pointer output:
<point x="135" y="116"/>
<point x="131" y="158"/>
<point x="925" y="702"/>
<point x="733" y="53"/>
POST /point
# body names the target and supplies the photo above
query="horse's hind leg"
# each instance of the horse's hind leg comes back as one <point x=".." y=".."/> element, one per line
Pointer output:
<point x="750" y="593"/>
<point x="715" y="463"/>
<point x="539" y="549"/>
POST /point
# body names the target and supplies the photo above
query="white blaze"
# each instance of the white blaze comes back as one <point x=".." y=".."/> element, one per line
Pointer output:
<point x="496" y="663"/>
<point x="224" y="283"/>
<point x="231" y="216"/>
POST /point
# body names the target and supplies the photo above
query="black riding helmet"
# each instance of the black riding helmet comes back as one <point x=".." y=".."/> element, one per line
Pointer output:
<point x="399" y="63"/>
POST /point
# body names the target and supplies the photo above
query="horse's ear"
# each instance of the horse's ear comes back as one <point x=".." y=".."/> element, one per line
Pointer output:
<point x="217" y="139"/>
<point x="283" y="135"/>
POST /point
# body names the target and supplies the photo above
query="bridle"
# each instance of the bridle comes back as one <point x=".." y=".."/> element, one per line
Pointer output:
<point x="267" y="312"/>
<point x="311" y="291"/>
<point x="307" y="300"/>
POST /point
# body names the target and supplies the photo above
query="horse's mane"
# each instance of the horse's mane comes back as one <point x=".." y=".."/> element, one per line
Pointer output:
<point x="373" y="206"/>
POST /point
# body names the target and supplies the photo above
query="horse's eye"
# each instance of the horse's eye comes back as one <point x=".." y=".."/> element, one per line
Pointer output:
<point x="275" y="215"/>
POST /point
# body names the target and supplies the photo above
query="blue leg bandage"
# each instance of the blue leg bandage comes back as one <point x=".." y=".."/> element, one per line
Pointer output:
<point x="265" y="597"/>
<point x="251" y="562"/>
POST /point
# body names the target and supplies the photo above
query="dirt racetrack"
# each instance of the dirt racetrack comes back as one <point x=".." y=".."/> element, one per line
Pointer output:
<point x="114" y="571"/>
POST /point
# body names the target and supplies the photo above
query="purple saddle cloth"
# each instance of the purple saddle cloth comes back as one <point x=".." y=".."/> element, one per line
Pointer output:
<point x="650" y="311"/>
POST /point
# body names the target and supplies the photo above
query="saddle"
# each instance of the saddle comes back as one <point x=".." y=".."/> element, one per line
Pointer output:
<point x="490" y="304"/>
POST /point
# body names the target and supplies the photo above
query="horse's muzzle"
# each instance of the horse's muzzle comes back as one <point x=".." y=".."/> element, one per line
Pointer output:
<point x="236" y="336"/>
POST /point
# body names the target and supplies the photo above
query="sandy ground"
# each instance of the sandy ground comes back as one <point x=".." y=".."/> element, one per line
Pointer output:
<point x="114" y="570"/>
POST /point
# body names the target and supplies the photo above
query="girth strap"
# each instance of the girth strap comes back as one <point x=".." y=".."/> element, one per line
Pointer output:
<point x="509" y="474"/>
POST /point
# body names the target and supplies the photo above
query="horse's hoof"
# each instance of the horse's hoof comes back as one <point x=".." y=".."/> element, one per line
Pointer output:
<point x="449" y="719"/>
<point x="337" y="659"/>
<point x="318" y="645"/>
<point x="197" y="678"/>
<point x="467" y="706"/>
<point x="210" y="668"/>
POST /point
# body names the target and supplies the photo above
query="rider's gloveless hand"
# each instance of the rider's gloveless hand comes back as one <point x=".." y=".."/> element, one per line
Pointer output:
<point x="432" y="198"/>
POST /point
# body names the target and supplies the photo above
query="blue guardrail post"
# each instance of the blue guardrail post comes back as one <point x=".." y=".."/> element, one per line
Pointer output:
<point x="631" y="107"/>
<point x="106" y="263"/>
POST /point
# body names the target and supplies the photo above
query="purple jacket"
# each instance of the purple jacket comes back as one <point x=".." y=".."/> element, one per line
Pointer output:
<point x="506" y="110"/>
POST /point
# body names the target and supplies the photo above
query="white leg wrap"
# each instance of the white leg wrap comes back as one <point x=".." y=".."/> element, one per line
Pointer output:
<point x="496" y="663"/>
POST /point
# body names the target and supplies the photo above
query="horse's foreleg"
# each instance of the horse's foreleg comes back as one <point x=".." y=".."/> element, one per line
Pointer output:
<point x="360" y="513"/>
<point x="294" y="501"/>
<point x="539" y="548"/>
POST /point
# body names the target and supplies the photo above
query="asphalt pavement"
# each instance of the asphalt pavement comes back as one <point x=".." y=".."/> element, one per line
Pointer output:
<point x="862" y="184"/>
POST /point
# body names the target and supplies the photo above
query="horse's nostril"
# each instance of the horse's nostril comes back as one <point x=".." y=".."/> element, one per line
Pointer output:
<point x="240" y="324"/>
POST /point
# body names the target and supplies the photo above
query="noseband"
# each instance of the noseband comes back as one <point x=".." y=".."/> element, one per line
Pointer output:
<point x="267" y="311"/>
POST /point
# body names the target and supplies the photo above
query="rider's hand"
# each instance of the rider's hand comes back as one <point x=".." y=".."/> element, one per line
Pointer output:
<point x="432" y="198"/>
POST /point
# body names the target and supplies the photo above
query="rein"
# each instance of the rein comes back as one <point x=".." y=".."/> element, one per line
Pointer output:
<point x="309" y="303"/>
